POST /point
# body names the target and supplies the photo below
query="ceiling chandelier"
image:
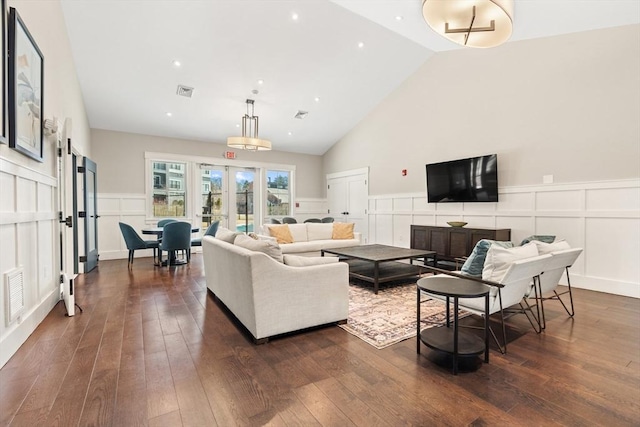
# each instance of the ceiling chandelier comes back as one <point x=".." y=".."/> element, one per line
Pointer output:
<point x="472" y="23"/>
<point x="249" y="139"/>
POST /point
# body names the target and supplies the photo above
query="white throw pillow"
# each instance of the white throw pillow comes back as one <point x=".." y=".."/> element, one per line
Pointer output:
<point x="298" y="232"/>
<point x="547" y="248"/>
<point x="499" y="260"/>
<point x="317" y="231"/>
<point x="264" y="246"/>
<point x="225" y="234"/>
<point x="304" y="261"/>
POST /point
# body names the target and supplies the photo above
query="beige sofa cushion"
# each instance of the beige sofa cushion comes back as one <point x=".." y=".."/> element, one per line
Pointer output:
<point x="317" y="245"/>
<point x="298" y="232"/>
<point x="321" y="231"/>
<point x="304" y="261"/>
<point x="225" y="235"/>
<point x="265" y="246"/>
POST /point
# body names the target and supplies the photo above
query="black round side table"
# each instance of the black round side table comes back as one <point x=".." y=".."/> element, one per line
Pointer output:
<point x="449" y="339"/>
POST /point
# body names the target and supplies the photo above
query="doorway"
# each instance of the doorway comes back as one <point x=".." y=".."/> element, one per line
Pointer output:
<point x="348" y="197"/>
<point x="230" y="195"/>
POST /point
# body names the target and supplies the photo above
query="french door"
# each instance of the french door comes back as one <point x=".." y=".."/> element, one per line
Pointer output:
<point x="348" y="197"/>
<point x="90" y="187"/>
<point x="230" y="195"/>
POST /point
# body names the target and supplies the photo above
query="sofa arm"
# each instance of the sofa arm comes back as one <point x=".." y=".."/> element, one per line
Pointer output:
<point x="292" y="298"/>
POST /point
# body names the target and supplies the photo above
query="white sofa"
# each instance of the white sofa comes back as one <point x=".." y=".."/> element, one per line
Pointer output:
<point x="310" y="238"/>
<point x="270" y="298"/>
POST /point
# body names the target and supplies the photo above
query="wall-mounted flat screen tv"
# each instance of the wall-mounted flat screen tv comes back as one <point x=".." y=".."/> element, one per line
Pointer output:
<point x="465" y="180"/>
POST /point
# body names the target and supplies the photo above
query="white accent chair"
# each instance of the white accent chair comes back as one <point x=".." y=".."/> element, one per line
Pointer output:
<point x="548" y="282"/>
<point x="510" y="291"/>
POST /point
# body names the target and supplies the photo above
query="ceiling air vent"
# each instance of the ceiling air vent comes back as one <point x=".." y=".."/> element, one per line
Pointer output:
<point x="185" y="91"/>
<point x="301" y="114"/>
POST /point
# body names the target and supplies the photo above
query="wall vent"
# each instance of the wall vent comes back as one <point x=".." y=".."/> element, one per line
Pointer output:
<point x="301" y="114"/>
<point x="185" y="91"/>
<point x="14" y="291"/>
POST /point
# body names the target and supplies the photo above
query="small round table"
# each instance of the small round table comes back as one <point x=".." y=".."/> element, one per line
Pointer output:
<point x="450" y="340"/>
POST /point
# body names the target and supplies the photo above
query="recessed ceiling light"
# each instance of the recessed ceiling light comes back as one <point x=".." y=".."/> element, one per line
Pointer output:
<point x="294" y="16"/>
<point x="289" y="133"/>
<point x="360" y="45"/>
<point x="237" y="125"/>
<point x="316" y="99"/>
<point x="176" y="63"/>
<point x="260" y="81"/>
<point x="169" y="114"/>
<point x="399" y="18"/>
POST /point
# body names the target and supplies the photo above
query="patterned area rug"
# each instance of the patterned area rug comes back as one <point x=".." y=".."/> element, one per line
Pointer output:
<point x="390" y="317"/>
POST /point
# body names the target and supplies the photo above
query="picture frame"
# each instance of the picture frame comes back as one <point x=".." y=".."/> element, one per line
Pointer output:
<point x="4" y="121"/>
<point x="26" y="90"/>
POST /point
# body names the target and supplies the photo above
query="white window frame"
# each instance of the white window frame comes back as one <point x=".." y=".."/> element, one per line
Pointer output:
<point x="193" y="186"/>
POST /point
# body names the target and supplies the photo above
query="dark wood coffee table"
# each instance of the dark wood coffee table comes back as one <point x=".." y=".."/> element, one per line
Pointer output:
<point x="376" y="263"/>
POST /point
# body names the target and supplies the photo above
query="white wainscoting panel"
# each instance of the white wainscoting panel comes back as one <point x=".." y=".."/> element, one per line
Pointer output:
<point x="130" y="209"/>
<point x="568" y="200"/>
<point x="601" y="217"/>
<point x="28" y="232"/>
<point x="114" y="208"/>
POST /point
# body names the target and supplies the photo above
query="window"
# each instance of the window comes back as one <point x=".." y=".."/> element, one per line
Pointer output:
<point x="278" y="193"/>
<point x="169" y="202"/>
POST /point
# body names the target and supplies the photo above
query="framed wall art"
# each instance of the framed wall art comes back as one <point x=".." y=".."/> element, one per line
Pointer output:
<point x="4" y="129"/>
<point x="26" y="89"/>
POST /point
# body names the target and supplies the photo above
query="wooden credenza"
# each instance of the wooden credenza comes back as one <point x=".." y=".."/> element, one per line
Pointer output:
<point x="453" y="242"/>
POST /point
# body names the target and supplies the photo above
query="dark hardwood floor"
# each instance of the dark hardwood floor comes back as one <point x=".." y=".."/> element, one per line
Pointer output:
<point x="153" y="347"/>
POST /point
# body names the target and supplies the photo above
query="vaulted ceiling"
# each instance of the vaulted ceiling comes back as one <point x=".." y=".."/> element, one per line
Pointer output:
<point x="335" y="60"/>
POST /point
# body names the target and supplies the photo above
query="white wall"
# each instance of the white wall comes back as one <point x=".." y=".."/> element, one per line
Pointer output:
<point x="124" y="152"/>
<point x="567" y="106"/>
<point x="603" y="218"/>
<point x="28" y="201"/>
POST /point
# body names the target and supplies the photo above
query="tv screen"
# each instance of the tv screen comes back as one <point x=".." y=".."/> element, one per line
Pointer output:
<point x="466" y="180"/>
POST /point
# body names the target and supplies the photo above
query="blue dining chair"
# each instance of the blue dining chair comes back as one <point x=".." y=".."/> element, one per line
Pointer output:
<point x="134" y="241"/>
<point x="211" y="231"/>
<point x="327" y="219"/>
<point x="176" y="236"/>
<point x="166" y="221"/>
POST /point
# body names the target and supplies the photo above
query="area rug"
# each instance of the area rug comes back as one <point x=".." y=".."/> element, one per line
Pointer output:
<point x="390" y="317"/>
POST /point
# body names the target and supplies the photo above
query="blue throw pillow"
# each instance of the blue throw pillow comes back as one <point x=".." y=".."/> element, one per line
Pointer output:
<point x="540" y="238"/>
<point x="475" y="262"/>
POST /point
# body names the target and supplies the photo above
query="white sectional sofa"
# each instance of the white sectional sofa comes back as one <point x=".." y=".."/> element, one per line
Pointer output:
<point x="310" y="238"/>
<point x="270" y="298"/>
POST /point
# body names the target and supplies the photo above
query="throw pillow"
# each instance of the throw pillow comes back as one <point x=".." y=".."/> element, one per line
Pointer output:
<point x="304" y="261"/>
<point x="298" y="232"/>
<point x="264" y="246"/>
<point x="342" y="230"/>
<point x="225" y="234"/>
<point x="540" y="238"/>
<point x="475" y="263"/>
<point x="281" y="233"/>
<point x="547" y="248"/>
<point x="317" y="231"/>
<point x="499" y="260"/>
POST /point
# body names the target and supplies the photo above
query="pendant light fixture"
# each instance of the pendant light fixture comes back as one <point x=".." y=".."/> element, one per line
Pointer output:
<point x="249" y="139"/>
<point x="471" y="23"/>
